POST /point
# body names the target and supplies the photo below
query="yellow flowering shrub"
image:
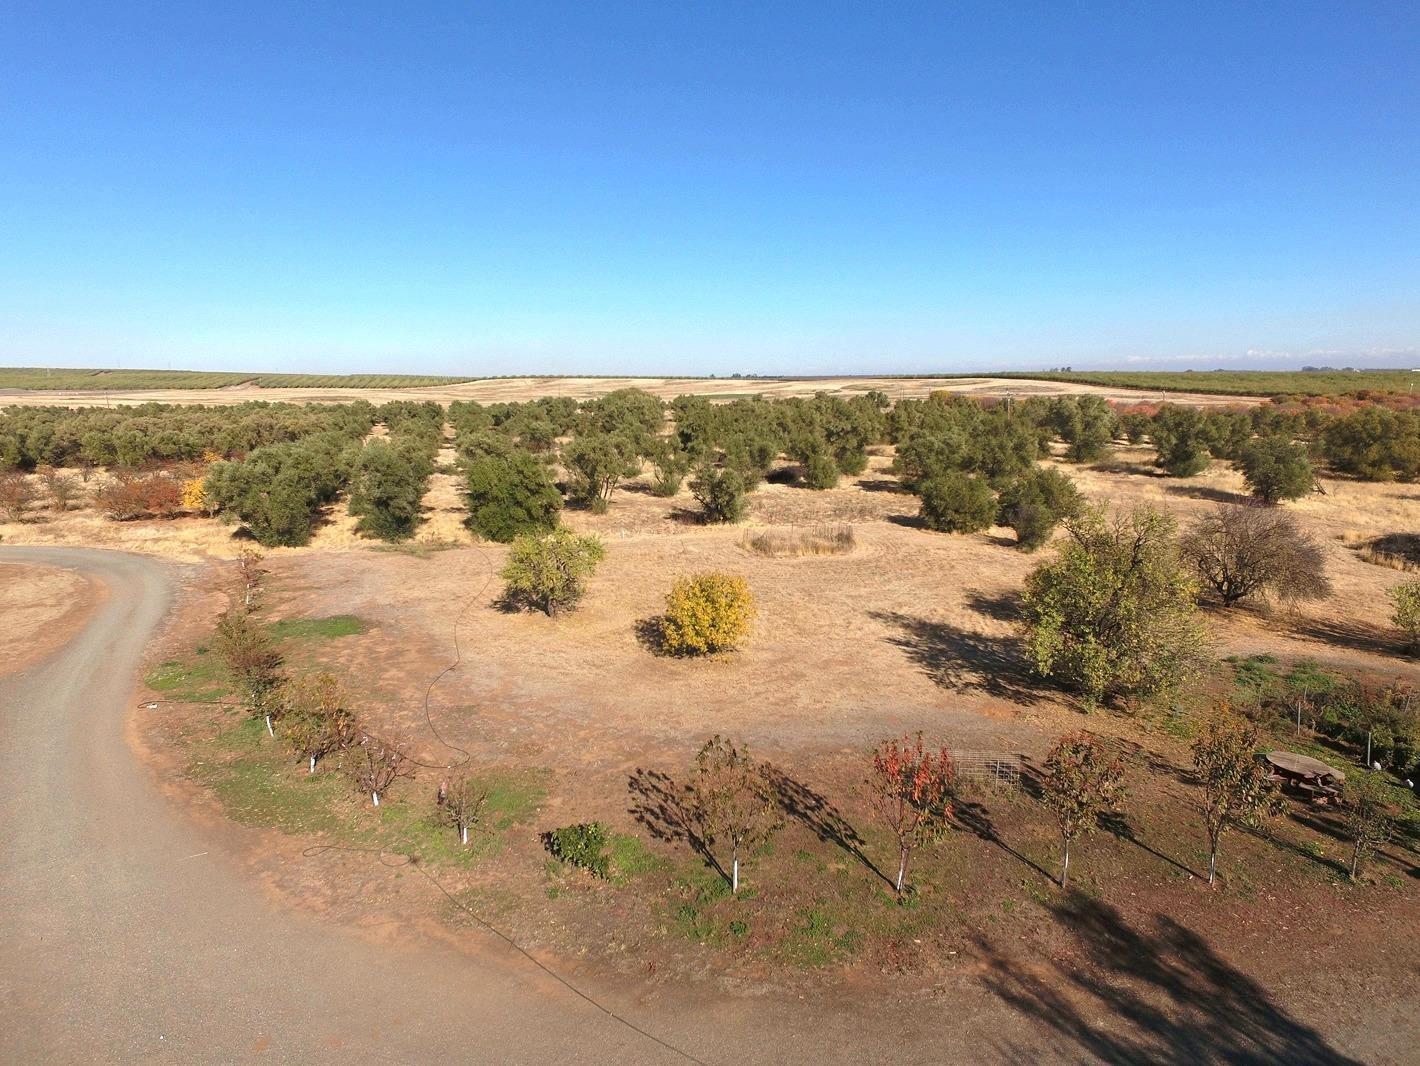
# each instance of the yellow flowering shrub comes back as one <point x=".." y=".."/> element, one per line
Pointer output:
<point x="194" y="496"/>
<point x="706" y="613"/>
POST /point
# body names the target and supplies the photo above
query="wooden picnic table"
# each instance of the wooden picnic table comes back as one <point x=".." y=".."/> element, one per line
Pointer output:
<point x="1312" y="777"/>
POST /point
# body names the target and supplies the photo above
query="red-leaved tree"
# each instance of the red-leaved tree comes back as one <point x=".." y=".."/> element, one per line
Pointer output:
<point x="911" y="791"/>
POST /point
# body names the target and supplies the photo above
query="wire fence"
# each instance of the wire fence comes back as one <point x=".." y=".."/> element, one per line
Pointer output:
<point x="995" y="769"/>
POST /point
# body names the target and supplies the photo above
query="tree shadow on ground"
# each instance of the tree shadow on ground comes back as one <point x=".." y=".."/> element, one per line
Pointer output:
<point x="814" y="811"/>
<point x="999" y="607"/>
<point x="1207" y="492"/>
<point x="961" y="660"/>
<point x="665" y="809"/>
<point x="1349" y="635"/>
<point x="1156" y="996"/>
<point x="1119" y="827"/>
<point x="882" y="484"/>
<point x="976" y="819"/>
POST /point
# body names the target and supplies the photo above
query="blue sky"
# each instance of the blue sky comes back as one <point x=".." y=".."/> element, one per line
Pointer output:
<point x="698" y="188"/>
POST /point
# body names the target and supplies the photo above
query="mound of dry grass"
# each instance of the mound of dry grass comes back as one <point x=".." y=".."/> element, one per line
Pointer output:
<point x="800" y="540"/>
<point x="1398" y="551"/>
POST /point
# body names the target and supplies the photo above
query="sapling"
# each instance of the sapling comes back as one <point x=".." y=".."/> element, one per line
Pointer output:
<point x="911" y="789"/>
<point x="1081" y="782"/>
<point x="732" y="800"/>
<point x="1236" y="789"/>
<point x="462" y="803"/>
<point x="376" y="765"/>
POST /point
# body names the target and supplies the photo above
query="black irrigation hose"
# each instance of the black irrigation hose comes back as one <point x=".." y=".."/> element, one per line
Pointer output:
<point x="381" y="854"/>
<point x="410" y="860"/>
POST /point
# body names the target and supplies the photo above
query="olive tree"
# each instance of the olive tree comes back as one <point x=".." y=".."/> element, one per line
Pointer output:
<point x="1275" y="469"/>
<point x="510" y="494"/>
<point x="549" y="571"/>
<point x="1406" y="615"/>
<point x="1036" y="502"/>
<point x="1113" y="615"/>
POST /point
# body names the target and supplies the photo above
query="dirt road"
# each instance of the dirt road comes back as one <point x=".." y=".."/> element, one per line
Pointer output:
<point x="127" y="933"/>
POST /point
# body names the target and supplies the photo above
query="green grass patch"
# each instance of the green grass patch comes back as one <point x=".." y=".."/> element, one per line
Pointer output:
<point x="337" y="625"/>
<point x="630" y="858"/>
<point x="199" y="680"/>
<point x="260" y="784"/>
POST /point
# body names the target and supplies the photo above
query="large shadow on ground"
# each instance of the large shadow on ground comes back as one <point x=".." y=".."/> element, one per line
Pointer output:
<point x="962" y="660"/>
<point x="1157" y="996"/>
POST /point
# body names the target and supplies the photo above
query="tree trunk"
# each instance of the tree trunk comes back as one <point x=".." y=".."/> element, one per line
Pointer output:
<point x="1212" y="863"/>
<point x="465" y="836"/>
<point x="1065" y="863"/>
<point x="901" y="871"/>
<point x="735" y="870"/>
<point x="376" y="797"/>
<point x="269" y="730"/>
<point x="313" y="765"/>
<point x="1355" y="859"/>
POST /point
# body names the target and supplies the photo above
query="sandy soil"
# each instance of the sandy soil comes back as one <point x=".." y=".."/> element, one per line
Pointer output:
<point x="41" y="607"/>
<point x="493" y="390"/>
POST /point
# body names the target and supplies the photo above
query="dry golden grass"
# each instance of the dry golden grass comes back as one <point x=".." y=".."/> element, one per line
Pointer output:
<point x="834" y="539"/>
<point x="492" y="390"/>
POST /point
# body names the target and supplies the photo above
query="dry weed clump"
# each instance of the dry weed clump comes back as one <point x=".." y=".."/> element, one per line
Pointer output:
<point x="1398" y="551"/>
<point x="835" y="539"/>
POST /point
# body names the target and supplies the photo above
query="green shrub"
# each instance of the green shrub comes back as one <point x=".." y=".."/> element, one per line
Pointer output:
<point x="820" y="471"/>
<point x="550" y="571"/>
<point x="1036" y="502"/>
<point x="956" y="502"/>
<point x="387" y="490"/>
<point x="583" y="845"/>
<point x="1406" y="597"/>
<point x="509" y="495"/>
<point x="720" y="493"/>
<point x="1276" y="469"/>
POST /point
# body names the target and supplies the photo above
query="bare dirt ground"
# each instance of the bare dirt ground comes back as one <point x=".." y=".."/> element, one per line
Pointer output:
<point x="41" y="607"/>
<point x="492" y="390"/>
<point x="911" y="630"/>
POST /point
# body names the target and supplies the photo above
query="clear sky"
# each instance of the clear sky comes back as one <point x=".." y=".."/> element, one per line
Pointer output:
<point x="709" y="187"/>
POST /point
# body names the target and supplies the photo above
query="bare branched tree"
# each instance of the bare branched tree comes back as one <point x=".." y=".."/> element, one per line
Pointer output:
<point x="1253" y="550"/>
<point x="461" y="804"/>
<point x="377" y="764"/>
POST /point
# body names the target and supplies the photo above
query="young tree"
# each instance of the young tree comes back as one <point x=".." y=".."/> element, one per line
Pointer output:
<point x="249" y="575"/>
<point x="1082" y="781"/>
<point x="1236" y="790"/>
<point x="1249" y="550"/>
<point x="819" y="471"/>
<point x="1275" y="469"/>
<point x="720" y="493"/>
<point x="509" y="495"/>
<point x="669" y="465"/>
<point x="16" y="495"/>
<point x="706" y="613"/>
<point x="62" y="488"/>
<point x="250" y="657"/>
<point x="1113" y="615"/>
<point x="1036" y="502"/>
<point x="732" y="800"/>
<point x="595" y="463"/>
<point x="461" y="804"/>
<point x="376" y="764"/>
<point x="549" y="571"/>
<point x="1369" y="821"/>
<point x="911" y="791"/>
<point x="956" y="502"/>
<point x="1406" y="616"/>
<point x="315" y="719"/>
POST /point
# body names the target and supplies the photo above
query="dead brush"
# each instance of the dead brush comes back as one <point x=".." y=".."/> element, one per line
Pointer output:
<point x="1398" y="551"/>
<point x="837" y="539"/>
